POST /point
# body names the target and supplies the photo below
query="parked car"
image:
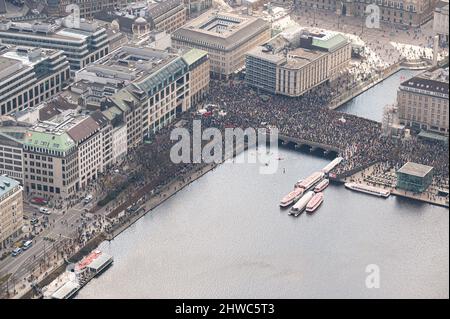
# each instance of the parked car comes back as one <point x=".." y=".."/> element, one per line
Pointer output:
<point x="44" y="210"/>
<point x="27" y="244"/>
<point x="16" y="252"/>
<point x="88" y="199"/>
<point x="34" y="221"/>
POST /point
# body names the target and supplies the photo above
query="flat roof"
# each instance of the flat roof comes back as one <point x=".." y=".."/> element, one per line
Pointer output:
<point x="7" y="184"/>
<point x="100" y="261"/>
<point x="194" y="55"/>
<point x="66" y="290"/>
<point x="224" y="30"/>
<point x="415" y="169"/>
<point x="331" y="42"/>
<point x="50" y="141"/>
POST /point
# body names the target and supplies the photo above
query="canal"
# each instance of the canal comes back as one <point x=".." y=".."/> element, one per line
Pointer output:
<point x="224" y="236"/>
<point x="370" y="104"/>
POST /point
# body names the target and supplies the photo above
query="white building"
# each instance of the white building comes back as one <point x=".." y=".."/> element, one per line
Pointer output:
<point x="29" y="76"/>
<point x="82" y="45"/>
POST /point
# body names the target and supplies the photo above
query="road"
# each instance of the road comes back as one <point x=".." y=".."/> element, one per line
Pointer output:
<point x="60" y="226"/>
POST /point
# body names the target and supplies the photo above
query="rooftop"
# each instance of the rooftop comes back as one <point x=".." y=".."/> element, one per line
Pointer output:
<point x="415" y="169"/>
<point x="14" y="59"/>
<point x="295" y="51"/>
<point x="6" y="185"/>
<point x="222" y="29"/>
<point x="330" y="42"/>
<point x="58" y="30"/>
<point x="436" y="81"/>
<point x="193" y="55"/>
<point x="60" y="142"/>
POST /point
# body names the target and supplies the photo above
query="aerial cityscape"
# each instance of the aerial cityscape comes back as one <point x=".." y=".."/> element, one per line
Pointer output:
<point x="222" y="149"/>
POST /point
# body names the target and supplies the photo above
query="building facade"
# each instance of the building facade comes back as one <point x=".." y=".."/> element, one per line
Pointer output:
<point x="81" y="45"/>
<point x="11" y="210"/>
<point x="414" y="177"/>
<point x="423" y="102"/>
<point x="283" y="66"/>
<point x="11" y="152"/>
<point x="29" y="76"/>
<point x="440" y="22"/>
<point x="410" y="13"/>
<point x="226" y="37"/>
<point x="167" y="15"/>
<point x="88" y="8"/>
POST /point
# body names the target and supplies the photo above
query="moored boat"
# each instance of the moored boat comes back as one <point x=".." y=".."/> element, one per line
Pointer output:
<point x="300" y="206"/>
<point x="314" y="203"/>
<point x="368" y="189"/>
<point x="292" y="197"/>
<point x="322" y="185"/>
<point x="311" y="180"/>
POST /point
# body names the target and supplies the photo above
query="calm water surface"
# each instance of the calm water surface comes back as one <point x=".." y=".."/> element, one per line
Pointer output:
<point x="370" y="104"/>
<point x="224" y="236"/>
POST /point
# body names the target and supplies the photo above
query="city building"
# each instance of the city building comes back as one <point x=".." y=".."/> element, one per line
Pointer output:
<point x="294" y="64"/>
<point x="11" y="151"/>
<point x="225" y="36"/>
<point x="11" y="210"/>
<point x="414" y="177"/>
<point x="411" y="13"/>
<point x="423" y="102"/>
<point x="82" y="44"/>
<point x="29" y="76"/>
<point x="167" y="15"/>
<point x="64" y="154"/>
<point x="88" y="8"/>
<point x="199" y="67"/>
<point x="194" y="6"/>
<point x="440" y="22"/>
<point x="144" y="87"/>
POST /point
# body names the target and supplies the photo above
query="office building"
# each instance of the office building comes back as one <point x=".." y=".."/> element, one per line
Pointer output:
<point x="29" y="76"/>
<point x="423" y="102"/>
<point x="294" y="65"/>
<point x="81" y="44"/>
<point x="226" y="37"/>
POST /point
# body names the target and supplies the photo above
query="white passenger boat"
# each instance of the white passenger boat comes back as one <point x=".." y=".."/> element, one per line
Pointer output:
<point x="300" y="206"/>
<point x="292" y="197"/>
<point x="314" y="203"/>
<point x="311" y="180"/>
<point x="368" y="189"/>
<point x="322" y="185"/>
